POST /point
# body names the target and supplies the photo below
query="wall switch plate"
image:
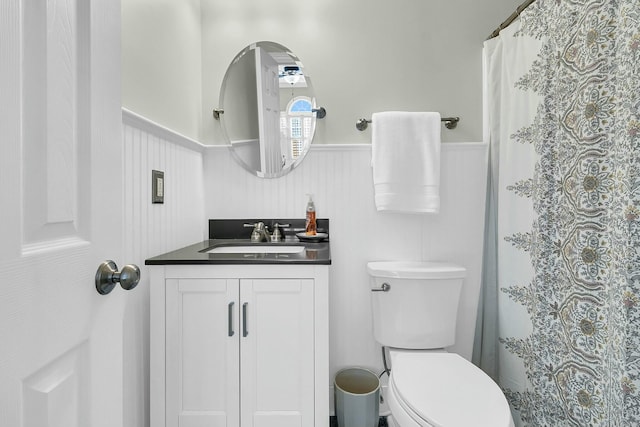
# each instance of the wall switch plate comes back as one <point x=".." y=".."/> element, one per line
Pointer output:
<point x="157" y="186"/>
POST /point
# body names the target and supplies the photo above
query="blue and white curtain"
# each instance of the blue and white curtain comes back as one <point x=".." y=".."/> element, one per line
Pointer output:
<point x="562" y="268"/>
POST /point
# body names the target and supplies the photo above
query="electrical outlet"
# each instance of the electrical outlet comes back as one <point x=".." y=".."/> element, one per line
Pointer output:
<point x="157" y="186"/>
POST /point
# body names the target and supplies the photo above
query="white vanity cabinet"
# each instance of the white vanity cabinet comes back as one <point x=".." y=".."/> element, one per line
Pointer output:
<point x="239" y="345"/>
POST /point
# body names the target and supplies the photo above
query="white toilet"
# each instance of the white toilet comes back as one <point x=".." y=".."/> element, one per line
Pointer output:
<point x="415" y="306"/>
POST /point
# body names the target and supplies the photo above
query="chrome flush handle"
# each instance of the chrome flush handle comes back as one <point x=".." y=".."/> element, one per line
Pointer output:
<point x="385" y="287"/>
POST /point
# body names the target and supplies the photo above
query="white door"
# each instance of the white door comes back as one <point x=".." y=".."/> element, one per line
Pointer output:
<point x="268" y="89"/>
<point x="60" y="196"/>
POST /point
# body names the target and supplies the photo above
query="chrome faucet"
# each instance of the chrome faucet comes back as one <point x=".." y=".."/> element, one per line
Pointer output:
<point x="260" y="232"/>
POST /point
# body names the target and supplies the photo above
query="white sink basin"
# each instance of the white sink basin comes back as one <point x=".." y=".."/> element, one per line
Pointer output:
<point x="256" y="249"/>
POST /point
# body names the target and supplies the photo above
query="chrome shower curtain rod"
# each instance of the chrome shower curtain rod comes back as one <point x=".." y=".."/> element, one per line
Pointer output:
<point x="510" y="19"/>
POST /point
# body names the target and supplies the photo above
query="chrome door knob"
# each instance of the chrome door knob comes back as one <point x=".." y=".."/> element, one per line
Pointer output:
<point x="108" y="276"/>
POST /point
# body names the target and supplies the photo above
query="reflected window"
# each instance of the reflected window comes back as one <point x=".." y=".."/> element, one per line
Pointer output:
<point x="296" y="124"/>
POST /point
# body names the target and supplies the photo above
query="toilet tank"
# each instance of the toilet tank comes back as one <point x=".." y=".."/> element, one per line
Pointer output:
<point x="420" y="307"/>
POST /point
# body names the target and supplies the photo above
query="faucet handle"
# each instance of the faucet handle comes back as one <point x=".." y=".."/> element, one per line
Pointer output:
<point x="258" y="226"/>
<point x="277" y="236"/>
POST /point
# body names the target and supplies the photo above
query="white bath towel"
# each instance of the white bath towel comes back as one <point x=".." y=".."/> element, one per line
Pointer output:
<point x="405" y="159"/>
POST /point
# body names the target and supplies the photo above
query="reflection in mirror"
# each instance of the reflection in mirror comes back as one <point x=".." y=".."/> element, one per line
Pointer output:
<point x="269" y="109"/>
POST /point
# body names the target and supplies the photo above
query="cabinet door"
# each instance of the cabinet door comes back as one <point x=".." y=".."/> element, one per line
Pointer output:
<point x="277" y="353"/>
<point x="202" y="353"/>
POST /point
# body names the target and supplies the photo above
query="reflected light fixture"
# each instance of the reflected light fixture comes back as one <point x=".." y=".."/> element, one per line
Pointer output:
<point x="291" y="74"/>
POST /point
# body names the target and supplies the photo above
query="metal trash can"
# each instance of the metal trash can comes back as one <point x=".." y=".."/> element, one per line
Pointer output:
<point x="357" y="398"/>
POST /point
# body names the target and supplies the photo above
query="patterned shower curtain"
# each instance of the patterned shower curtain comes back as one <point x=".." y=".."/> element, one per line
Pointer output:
<point x="567" y="197"/>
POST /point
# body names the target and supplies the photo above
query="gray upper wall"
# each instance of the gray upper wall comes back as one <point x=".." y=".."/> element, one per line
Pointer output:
<point x="363" y="56"/>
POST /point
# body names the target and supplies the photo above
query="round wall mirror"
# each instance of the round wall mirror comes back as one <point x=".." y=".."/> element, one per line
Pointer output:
<point x="268" y="109"/>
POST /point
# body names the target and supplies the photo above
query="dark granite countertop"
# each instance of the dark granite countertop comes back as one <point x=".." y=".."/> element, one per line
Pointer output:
<point x="233" y="233"/>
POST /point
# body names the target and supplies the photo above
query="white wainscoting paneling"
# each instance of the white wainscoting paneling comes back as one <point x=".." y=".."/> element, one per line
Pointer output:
<point x="340" y="178"/>
<point x="153" y="229"/>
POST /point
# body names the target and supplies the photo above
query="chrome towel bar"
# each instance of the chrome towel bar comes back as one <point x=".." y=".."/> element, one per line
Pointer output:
<point x="449" y="122"/>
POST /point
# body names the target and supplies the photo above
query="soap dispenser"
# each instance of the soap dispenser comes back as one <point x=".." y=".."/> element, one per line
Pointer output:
<point x="311" y="217"/>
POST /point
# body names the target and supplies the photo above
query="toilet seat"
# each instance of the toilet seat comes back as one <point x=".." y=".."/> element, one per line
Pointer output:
<point x="444" y="390"/>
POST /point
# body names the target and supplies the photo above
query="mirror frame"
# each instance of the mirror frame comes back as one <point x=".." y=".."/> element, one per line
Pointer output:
<point x="258" y="142"/>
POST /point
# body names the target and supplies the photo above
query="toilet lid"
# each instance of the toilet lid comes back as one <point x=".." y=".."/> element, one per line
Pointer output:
<point x="446" y="390"/>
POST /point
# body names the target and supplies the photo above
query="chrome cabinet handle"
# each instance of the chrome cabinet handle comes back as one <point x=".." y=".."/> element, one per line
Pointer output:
<point x="385" y="287"/>
<point x="108" y="275"/>
<point x="230" y="320"/>
<point x="245" y="330"/>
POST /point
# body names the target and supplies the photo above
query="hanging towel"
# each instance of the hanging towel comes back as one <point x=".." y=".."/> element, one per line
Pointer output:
<point x="405" y="158"/>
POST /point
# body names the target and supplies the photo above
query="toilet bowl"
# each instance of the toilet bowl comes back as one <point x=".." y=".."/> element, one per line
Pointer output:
<point x="439" y="389"/>
<point x="415" y="307"/>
